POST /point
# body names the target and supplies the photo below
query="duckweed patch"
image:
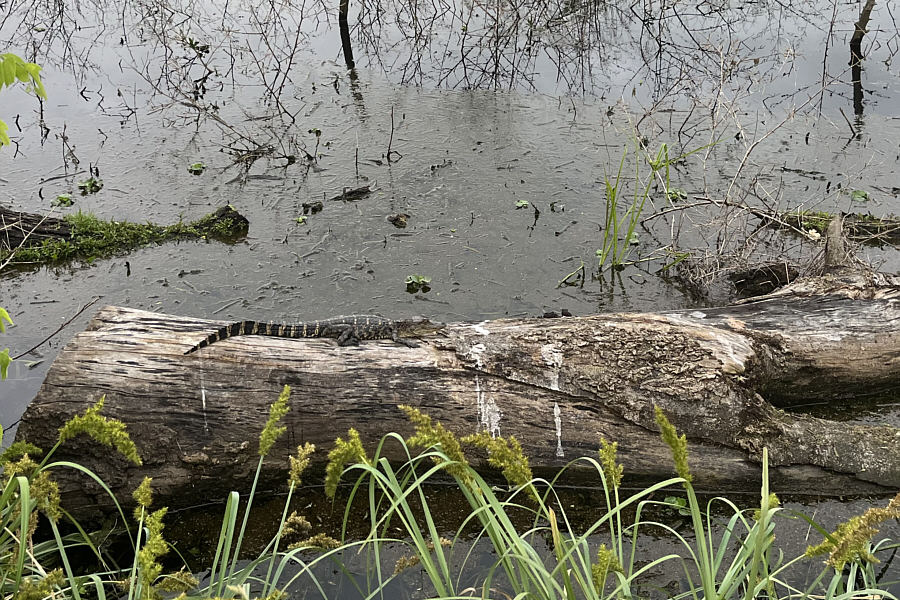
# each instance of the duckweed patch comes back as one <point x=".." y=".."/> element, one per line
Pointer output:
<point x="90" y="238"/>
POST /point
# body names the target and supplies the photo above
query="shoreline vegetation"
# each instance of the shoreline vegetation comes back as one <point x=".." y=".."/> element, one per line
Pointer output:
<point x="549" y="559"/>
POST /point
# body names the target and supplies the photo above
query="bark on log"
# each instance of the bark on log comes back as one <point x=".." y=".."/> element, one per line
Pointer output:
<point x="558" y="385"/>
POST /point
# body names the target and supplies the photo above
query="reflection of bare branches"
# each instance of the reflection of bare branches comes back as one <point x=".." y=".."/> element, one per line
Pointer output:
<point x="654" y="49"/>
<point x="199" y="72"/>
<point x="47" y="28"/>
<point x="856" y="55"/>
<point x="584" y="45"/>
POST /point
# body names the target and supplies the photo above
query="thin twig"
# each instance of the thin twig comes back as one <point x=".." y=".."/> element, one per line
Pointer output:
<point x="60" y="328"/>
<point x="849" y="124"/>
<point x="390" y="152"/>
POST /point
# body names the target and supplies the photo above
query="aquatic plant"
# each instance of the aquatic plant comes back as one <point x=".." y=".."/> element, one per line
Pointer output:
<point x="619" y="231"/>
<point x="415" y="283"/>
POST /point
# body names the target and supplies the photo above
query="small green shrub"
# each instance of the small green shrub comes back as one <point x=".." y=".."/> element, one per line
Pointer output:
<point x="5" y="360"/>
<point x="13" y="69"/>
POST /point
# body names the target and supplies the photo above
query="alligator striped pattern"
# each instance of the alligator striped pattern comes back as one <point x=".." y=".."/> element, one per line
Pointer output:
<point x="348" y="331"/>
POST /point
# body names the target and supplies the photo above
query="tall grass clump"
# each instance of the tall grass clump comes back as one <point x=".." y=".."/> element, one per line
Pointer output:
<point x="619" y="227"/>
<point x="548" y="557"/>
<point x="39" y="567"/>
<point x="604" y="561"/>
<point x="263" y="576"/>
<point x="623" y="210"/>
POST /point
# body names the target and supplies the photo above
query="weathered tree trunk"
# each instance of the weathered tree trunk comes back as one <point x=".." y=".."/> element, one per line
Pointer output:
<point x="558" y="385"/>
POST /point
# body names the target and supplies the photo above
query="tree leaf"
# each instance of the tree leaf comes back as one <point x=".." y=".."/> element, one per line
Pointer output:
<point x="4" y="362"/>
<point x="4" y="316"/>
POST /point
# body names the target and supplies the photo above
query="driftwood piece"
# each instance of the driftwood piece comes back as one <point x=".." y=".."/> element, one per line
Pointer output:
<point x="558" y="385"/>
<point x="17" y="228"/>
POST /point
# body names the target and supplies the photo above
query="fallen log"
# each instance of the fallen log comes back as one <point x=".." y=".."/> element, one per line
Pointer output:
<point x="31" y="239"/>
<point x="558" y="385"/>
<point x="860" y="228"/>
<point x="196" y="418"/>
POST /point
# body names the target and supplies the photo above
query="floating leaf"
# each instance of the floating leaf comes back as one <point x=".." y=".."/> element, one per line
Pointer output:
<point x="63" y="200"/>
<point x="679" y="503"/>
<point x="676" y="194"/>
<point x="416" y="283"/>
<point x="91" y="185"/>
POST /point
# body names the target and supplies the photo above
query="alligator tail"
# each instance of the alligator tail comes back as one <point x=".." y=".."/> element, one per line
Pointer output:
<point x="232" y="330"/>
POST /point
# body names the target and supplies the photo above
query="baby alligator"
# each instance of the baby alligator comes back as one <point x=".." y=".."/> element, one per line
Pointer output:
<point x="347" y="330"/>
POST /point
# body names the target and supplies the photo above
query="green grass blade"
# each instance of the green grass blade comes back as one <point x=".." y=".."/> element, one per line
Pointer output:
<point x="217" y="572"/>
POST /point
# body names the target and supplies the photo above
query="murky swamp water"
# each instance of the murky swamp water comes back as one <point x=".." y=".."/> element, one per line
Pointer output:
<point x="503" y="124"/>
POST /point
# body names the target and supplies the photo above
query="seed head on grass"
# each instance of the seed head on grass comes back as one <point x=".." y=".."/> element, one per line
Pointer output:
<point x="411" y="560"/>
<point x="850" y="541"/>
<point x="143" y="495"/>
<point x="429" y="434"/>
<point x="180" y="581"/>
<point x="46" y="491"/>
<point x="109" y="432"/>
<point x="24" y="466"/>
<point x="319" y="542"/>
<point x="406" y="562"/>
<point x="774" y="503"/>
<point x="505" y="454"/>
<point x="17" y="450"/>
<point x="38" y="588"/>
<point x="608" y="454"/>
<point x="42" y="488"/>
<point x="343" y="453"/>
<point x="677" y="443"/>
<point x="272" y="431"/>
<point x="607" y="562"/>
<point x="300" y="462"/>
<point x="296" y="526"/>
<point x="154" y="545"/>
